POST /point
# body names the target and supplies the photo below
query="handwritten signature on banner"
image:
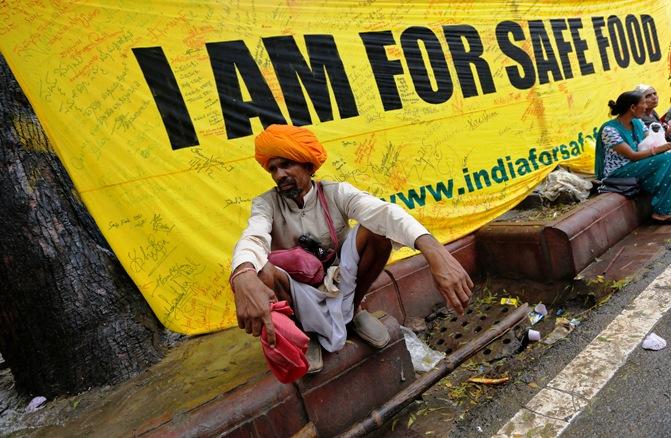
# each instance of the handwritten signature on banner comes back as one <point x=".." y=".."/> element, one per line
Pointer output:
<point x="208" y="164"/>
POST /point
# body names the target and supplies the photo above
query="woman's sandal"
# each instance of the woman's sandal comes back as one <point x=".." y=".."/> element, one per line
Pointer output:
<point x="662" y="218"/>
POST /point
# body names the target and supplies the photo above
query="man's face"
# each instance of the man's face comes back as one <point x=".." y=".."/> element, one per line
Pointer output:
<point x="292" y="178"/>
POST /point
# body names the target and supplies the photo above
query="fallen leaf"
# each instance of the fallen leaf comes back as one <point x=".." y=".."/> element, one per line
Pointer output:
<point x="488" y="381"/>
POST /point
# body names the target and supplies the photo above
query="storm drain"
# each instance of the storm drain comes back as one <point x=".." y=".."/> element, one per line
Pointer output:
<point x="448" y="332"/>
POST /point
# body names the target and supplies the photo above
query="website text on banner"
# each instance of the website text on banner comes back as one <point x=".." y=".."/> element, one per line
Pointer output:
<point x="454" y="111"/>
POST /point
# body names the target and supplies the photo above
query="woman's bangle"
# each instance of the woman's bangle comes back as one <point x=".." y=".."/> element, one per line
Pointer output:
<point x="237" y="274"/>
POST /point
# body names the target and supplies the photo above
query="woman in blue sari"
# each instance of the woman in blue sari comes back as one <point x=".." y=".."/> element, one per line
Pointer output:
<point x="617" y="153"/>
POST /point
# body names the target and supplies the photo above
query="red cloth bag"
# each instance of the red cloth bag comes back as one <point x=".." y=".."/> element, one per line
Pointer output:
<point x="300" y="264"/>
<point x="287" y="360"/>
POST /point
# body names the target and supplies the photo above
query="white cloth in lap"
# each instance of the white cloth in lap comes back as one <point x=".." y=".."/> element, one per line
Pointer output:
<point x="327" y="316"/>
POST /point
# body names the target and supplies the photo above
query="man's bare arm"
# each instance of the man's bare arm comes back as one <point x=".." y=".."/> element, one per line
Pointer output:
<point x="451" y="278"/>
<point x="252" y="302"/>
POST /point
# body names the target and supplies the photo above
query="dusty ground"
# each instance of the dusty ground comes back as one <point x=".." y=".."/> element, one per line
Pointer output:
<point x="440" y="408"/>
<point x="12" y="404"/>
<point x="541" y="213"/>
<point x="15" y="420"/>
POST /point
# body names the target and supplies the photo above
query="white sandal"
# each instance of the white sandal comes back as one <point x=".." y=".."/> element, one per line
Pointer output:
<point x="370" y="329"/>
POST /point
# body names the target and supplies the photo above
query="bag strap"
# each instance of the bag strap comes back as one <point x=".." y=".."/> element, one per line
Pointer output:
<point x="327" y="213"/>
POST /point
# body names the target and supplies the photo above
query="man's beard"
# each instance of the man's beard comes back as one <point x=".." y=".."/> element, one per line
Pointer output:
<point x="292" y="193"/>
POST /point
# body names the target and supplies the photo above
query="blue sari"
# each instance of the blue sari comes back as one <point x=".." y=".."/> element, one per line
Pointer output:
<point x="653" y="173"/>
<point x="632" y="138"/>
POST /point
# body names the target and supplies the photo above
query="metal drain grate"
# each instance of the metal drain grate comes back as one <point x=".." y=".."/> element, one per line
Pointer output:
<point x="447" y="332"/>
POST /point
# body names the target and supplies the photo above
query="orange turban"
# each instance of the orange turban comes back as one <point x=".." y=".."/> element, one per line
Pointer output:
<point x="291" y="142"/>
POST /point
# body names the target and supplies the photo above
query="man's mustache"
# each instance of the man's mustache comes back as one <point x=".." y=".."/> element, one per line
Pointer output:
<point x="286" y="180"/>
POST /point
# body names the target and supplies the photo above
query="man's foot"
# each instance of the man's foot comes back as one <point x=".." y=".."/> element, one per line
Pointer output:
<point x="370" y="329"/>
<point x="314" y="356"/>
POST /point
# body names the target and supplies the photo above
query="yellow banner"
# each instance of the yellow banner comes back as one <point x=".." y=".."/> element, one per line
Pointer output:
<point x="453" y="110"/>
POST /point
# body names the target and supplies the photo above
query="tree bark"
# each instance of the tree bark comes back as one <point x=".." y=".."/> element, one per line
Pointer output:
<point x="70" y="317"/>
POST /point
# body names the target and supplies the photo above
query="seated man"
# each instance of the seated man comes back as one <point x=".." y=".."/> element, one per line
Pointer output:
<point x="292" y="209"/>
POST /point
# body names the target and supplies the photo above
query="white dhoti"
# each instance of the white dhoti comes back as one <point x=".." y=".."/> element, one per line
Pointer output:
<point x="326" y="313"/>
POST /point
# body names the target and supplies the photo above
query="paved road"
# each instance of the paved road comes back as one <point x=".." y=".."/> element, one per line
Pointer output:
<point x="637" y="400"/>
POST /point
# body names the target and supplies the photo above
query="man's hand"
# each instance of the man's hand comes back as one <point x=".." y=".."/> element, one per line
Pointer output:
<point x="451" y="278"/>
<point x="252" y="303"/>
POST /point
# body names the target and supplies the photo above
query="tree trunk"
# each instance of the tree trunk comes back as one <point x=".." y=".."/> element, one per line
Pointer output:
<point x="70" y="317"/>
